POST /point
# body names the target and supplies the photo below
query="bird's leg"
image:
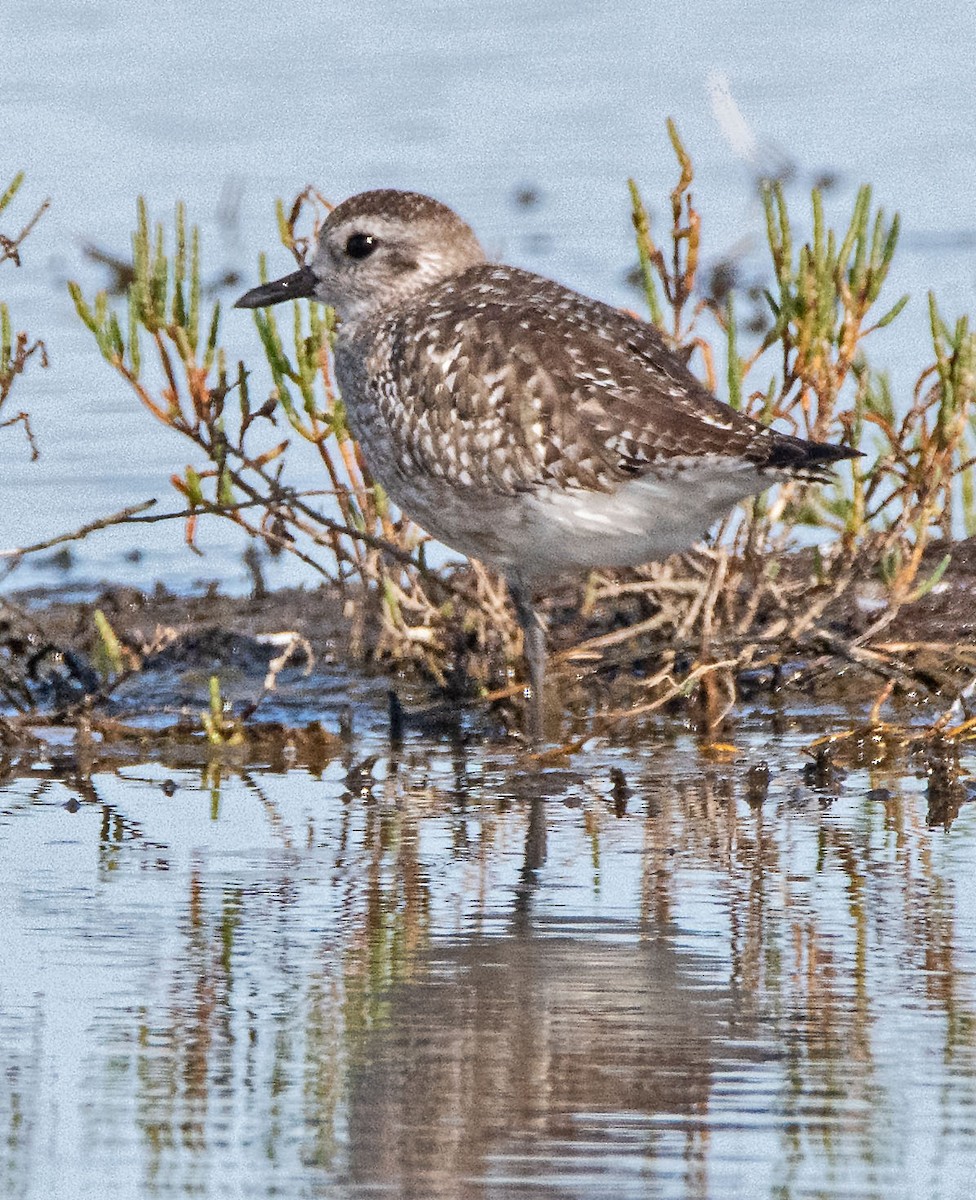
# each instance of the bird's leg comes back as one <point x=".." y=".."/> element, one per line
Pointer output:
<point x="534" y="638"/>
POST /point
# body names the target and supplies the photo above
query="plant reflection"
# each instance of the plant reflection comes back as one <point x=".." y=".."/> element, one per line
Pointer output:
<point x="448" y="968"/>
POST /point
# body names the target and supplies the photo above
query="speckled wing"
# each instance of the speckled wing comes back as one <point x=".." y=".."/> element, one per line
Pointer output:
<point x="509" y="382"/>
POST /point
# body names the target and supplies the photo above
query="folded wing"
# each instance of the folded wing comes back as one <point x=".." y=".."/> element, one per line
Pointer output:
<point x="509" y="382"/>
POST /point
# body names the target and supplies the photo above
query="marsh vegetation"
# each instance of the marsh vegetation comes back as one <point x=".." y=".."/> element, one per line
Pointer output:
<point x="809" y="573"/>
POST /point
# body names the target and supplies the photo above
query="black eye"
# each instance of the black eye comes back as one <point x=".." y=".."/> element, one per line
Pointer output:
<point x="361" y="245"/>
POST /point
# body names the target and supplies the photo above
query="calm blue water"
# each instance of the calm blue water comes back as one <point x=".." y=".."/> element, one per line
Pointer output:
<point x="99" y="104"/>
<point x="446" y="973"/>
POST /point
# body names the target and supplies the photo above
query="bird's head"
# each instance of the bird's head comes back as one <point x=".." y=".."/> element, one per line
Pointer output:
<point x="375" y="251"/>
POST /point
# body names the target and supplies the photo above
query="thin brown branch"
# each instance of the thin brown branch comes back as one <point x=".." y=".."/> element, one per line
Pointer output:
<point x="122" y="517"/>
<point x="23" y="418"/>
<point x="10" y="247"/>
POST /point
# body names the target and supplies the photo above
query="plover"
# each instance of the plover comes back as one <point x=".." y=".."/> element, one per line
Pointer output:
<point x="515" y="420"/>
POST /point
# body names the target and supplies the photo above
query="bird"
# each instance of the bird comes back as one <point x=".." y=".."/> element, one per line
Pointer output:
<point x="515" y="420"/>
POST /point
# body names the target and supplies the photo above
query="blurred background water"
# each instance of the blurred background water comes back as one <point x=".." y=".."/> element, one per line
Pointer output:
<point x="228" y="106"/>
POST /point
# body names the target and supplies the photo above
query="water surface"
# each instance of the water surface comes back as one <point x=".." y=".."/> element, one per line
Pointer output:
<point x="446" y="972"/>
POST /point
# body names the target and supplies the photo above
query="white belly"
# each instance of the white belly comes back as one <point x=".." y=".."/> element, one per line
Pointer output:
<point x="548" y="532"/>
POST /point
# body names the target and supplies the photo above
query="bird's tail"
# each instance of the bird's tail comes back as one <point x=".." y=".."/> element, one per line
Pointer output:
<point x="809" y="462"/>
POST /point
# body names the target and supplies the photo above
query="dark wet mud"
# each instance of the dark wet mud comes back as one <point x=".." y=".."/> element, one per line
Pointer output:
<point x="302" y="655"/>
